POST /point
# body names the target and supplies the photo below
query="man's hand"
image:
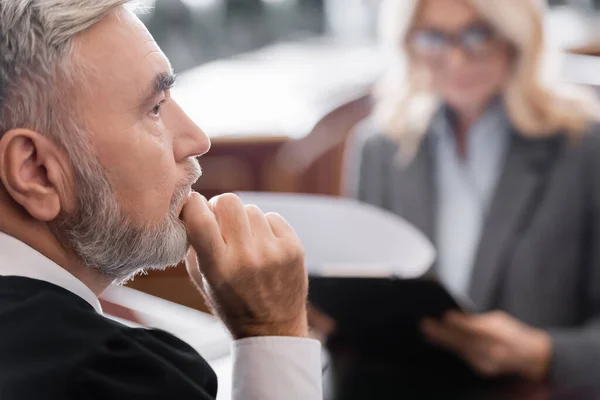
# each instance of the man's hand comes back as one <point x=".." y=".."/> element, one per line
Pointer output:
<point x="250" y="267"/>
<point x="493" y="344"/>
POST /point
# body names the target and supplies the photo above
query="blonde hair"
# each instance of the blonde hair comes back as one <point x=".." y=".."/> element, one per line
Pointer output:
<point x="536" y="103"/>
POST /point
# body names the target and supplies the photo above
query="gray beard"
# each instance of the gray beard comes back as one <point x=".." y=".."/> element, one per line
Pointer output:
<point x="107" y="240"/>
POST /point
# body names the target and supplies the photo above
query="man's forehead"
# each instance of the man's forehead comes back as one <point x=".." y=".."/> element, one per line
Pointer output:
<point x="120" y="54"/>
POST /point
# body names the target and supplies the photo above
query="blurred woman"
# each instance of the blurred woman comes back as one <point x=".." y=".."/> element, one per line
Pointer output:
<point x="482" y="150"/>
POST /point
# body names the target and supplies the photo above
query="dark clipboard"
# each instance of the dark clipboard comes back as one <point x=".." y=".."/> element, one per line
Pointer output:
<point x="382" y="315"/>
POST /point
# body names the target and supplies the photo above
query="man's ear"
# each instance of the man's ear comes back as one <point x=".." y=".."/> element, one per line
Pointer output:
<point x="35" y="173"/>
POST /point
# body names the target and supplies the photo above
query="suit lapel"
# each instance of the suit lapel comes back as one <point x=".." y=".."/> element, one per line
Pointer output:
<point x="520" y="188"/>
<point x="412" y="190"/>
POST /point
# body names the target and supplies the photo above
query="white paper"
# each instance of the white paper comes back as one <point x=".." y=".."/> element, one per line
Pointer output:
<point x="343" y="237"/>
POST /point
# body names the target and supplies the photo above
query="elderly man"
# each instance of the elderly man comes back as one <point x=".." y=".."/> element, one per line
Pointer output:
<point x="96" y="165"/>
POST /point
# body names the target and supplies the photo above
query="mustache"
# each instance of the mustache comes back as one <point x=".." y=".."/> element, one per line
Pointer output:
<point x="193" y="173"/>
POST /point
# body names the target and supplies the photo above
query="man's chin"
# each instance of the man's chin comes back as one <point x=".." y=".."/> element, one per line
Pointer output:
<point x="158" y="267"/>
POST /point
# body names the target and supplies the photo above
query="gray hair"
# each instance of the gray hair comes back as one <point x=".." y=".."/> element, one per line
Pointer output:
<point x="38" y="79"/>
<point x="36" y="67"/>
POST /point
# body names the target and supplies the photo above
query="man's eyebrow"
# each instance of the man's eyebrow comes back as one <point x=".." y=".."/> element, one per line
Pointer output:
<point x="163" y="81"/>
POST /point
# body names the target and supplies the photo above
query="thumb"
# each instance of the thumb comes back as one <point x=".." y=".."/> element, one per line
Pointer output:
<point x="202" y="228"/>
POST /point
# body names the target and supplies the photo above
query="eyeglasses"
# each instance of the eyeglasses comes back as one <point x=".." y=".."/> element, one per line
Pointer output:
<point x="475" y="41"/>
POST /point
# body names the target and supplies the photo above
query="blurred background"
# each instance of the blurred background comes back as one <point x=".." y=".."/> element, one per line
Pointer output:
<point x="280" y="86"/>
<point x="283" y="88"/>
<point x="194" y="32"/>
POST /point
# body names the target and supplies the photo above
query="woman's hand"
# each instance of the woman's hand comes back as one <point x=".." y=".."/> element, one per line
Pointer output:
<point x="493" y="344"/>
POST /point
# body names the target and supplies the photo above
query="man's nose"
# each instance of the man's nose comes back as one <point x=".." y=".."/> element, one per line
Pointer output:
<point x="189" y="140"/>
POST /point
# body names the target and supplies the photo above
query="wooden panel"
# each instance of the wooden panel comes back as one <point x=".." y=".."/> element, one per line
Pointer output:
<point x="238" y="166"/>
<point x="173" y="285"/>
<point x="226" y="173"/>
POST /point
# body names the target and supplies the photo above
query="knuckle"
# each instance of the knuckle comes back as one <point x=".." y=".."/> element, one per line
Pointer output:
<point x="273" y="219"/>
<point x="274" y="215"/>
<point x="226" y="202"/>
<point x="298" y="253"/>
<point x="253" y="210"/>
<point x="276" y="218"/>
<point x="291" y="252"/>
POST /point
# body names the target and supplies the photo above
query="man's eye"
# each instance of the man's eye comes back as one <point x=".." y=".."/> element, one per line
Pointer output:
<point x="156" y="108"/>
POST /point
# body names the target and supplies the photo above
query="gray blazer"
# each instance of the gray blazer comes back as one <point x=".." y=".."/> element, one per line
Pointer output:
<point x="539" y="253"/>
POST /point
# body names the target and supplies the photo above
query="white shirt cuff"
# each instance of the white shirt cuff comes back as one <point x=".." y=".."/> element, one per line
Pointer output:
<point x="275" y="368"/>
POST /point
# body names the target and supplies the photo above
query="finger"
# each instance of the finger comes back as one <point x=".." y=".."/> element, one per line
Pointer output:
<point x="474" y="325"/>
<point x="193" y="270"/>
<point x="486" y="349"/>
<point x="478" y="327"/>
<point x="192" y="266"/>
<point x="445" y="336"/>
<point x="320" y="321"/>
<point x="473" y="350"/>
<point x="202" y="228"/>
<point x="460" y="321"/>
<point x="231" y="217"/>
<point x="279" y="226"/>
<point x="259" y="225"/>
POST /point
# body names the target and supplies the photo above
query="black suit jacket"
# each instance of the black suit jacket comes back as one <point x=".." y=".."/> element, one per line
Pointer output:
<point x="53" y="345"/>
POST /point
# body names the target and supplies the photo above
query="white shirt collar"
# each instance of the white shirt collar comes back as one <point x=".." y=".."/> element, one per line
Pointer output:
<point x="18" y="259"/>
